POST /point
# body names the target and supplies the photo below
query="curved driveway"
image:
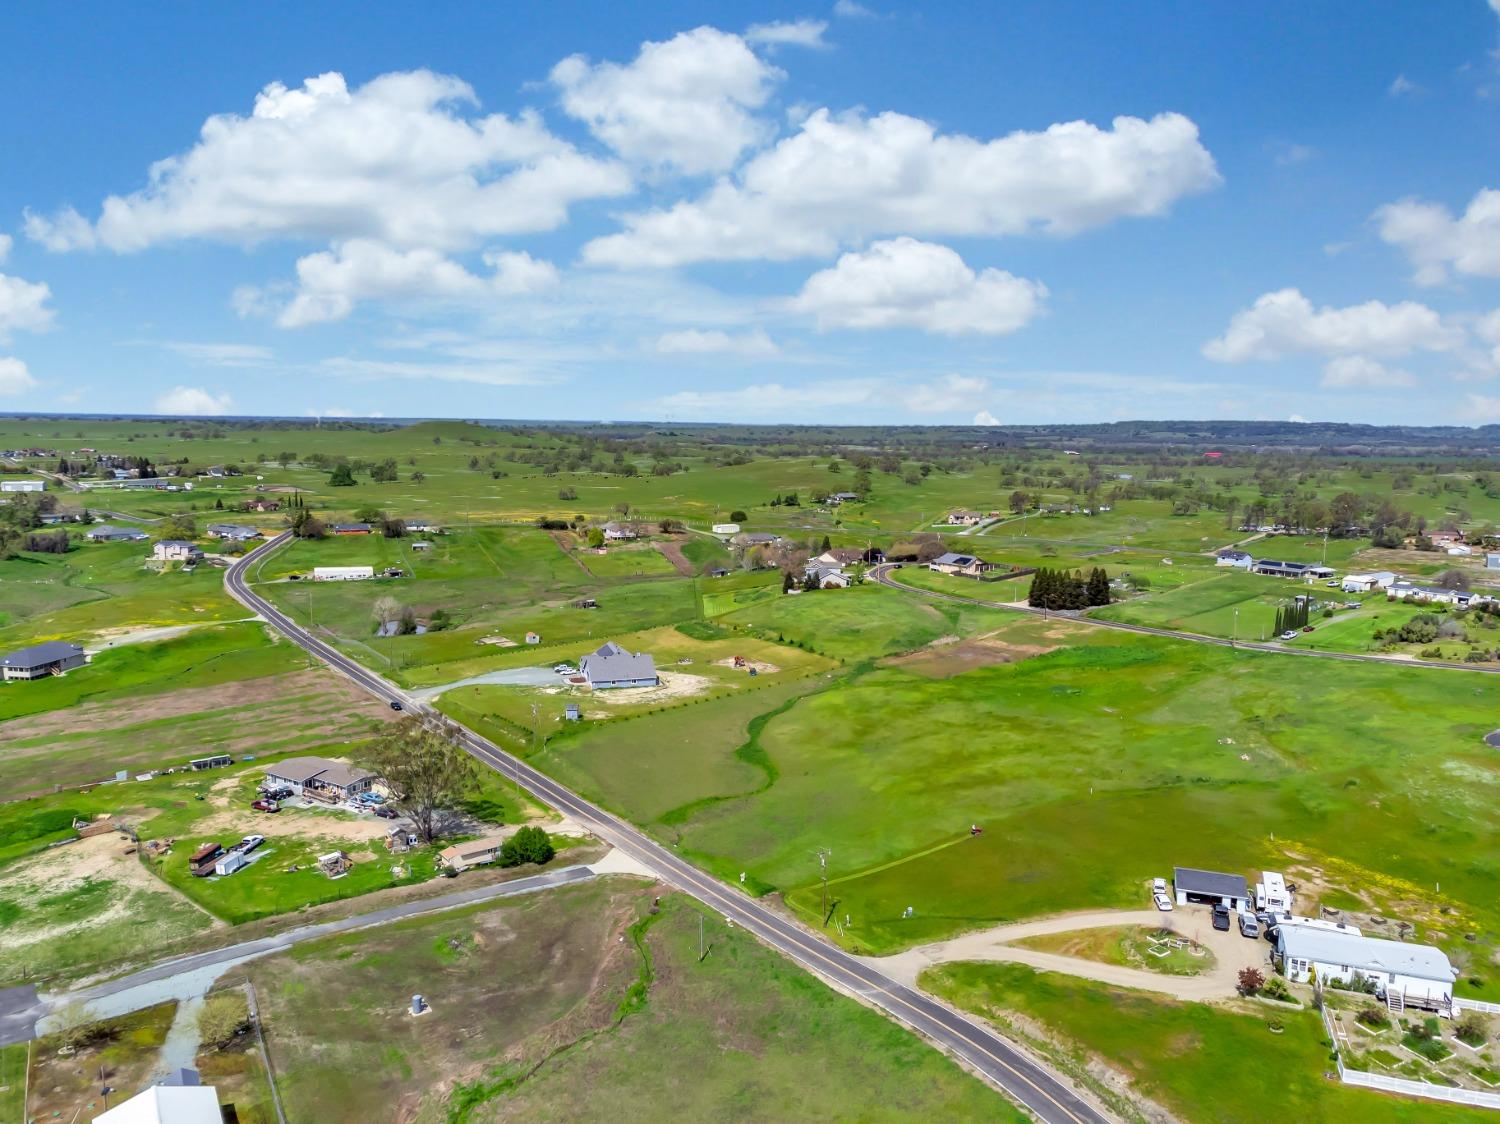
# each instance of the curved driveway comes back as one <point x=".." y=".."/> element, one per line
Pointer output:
<point x="1047" y="1095"/>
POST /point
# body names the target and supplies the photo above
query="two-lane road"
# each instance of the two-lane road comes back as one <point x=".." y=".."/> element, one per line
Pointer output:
<point x="1045" y="1094"/>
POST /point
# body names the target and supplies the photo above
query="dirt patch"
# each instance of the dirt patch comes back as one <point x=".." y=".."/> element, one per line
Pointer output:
<point x="293" y="823"/>
<point x="674" y="685"/>
<point x="672" y="552"/>
<point x="948" y="656"/>
<point x="118" y="713"/>
<point x="761" y="667"/>
<point x="498" y="641"/>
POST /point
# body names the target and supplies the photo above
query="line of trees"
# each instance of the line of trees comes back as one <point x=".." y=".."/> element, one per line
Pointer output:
<point x="1062" y="589"/>
<point x="1294" y="617"/>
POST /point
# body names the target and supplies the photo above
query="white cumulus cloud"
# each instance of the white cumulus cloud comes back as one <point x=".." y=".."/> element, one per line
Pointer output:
<point x="1435" y="241"/>
<point x="192" y="401"/>
<point x="1356" y="371"/>
<point x="402" y="159"/>
<point x="984" y="417"/>
<point x="14" y="377"/>
<point x="842" y="178"/>
<point x="697" y="341"/>
<point x="332" y="282"/>
<point x="687" y="103"/>
<point x="912" y="284"/>
<point x="1285" y="323"/>
<point x="23" y="306"/>
<point x="787" y="33"/>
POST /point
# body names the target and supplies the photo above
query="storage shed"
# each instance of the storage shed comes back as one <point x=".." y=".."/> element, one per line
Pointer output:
<point x="1210" y="887"/>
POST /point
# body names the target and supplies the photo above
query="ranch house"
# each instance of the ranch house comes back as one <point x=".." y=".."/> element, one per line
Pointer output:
<point x="964" y="565"/>
<point x="176" y="550"/>
<point x="612" y="667"/>
<point x="1402" y="973"/>
<point x="319" y="777"/>
<point x="52" y="658"/>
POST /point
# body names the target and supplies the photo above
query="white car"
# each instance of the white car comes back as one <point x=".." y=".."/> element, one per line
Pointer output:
<point x="250" y="842"/>
<point x="1163" y="902"/>
<point x="1158" y="885"/>
<point x="1290" y="634"/>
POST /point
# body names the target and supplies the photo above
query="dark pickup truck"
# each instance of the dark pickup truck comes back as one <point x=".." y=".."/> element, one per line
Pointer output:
<point x="1221" y="917"/>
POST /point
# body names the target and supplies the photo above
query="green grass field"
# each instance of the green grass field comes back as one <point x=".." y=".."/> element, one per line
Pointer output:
<point x="13" y="1082"/>
<point x="1196" y="1060"/>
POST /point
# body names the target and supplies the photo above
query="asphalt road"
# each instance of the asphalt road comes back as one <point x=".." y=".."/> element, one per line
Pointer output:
<point x="21" y="1007"/>
<point x="882" y="574"/>
<point x="1047" y="1095"/>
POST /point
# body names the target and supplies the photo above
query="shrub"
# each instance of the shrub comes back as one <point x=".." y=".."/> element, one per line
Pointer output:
<point x="1275" y="988"/>
<point x="223" y="1015"/>
<point x="1251" y="980"/>
<point x="529" y="845"/>
<point x="1472" y="1027"/>
<point x="1372" y="1016"/>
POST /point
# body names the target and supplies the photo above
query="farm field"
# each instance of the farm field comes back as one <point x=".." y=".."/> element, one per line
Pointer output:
<point x="694" y="668"/>
<point x="1149" y="735"/>
<point x="1128" y="946"/>
<point x="1215" y="606"/>
<point x="651" y="1023"/>
<point x="1182" y="1056"/>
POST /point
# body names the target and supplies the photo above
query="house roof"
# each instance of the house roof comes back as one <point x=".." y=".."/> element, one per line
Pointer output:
<point x="1370" y="954"/>
<point x="178" y="542"/>
<point x="301" y="770"/>
<point x="109" y="530"/>
<point x="40" y="655"/>
<point x="612" y="663"/>
<point x="1211" y="882"/>
<point x="951" y="559"/>
<point x="1235" y="554"/>
<point x="232" y="529"/>
<point x="167" y="1104"/>
<point x="842" y="555"/>
<point x="351" y="526"/>
<point x="473" y="848"/>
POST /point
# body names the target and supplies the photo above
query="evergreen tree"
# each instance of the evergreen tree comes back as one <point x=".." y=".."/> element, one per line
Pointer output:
<point x="1098" y="587"/>
<point x="342" y="477"/>
<point x="826" y="545"/>
<point x="1037" y="597"/>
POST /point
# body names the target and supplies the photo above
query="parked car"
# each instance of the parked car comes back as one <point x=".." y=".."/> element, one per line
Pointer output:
<point x="1307" y="628"/>
<point x="1331" y="582"/>
<point x="386" y="813"/>
<point x="1163" y="902"/>
<point x="250" y="842"/>
<point x="265" y="806"/>
<point x="1221" y="918"/>
<point x="1290" y="634"/>
<point x="1249" y="926"/>
<point x="1158" y="885"/>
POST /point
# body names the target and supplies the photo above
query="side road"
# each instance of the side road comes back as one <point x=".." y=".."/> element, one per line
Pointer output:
<point x="22" y="1008"/>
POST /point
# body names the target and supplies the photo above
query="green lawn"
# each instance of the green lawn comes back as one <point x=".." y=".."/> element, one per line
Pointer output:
<point x="1198" y="1061"/>
<point x="643" y="560"/>
<point x="1226" y="605"/>
<point x="1129" y="946"/>
<point x="13" y="1082"/>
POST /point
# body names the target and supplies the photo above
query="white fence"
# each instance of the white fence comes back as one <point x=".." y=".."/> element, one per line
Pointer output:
<point x="1476" y="1005"/>
<point x="1413" y="1088"/>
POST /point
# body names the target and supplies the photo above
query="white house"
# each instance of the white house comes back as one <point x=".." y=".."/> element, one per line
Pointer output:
<point x="964" y="518"/>
<point x="23" y="486"/>
<point x="1364" y="583"/>
<point x="1418" y="974"/>
<point x="176" y="550"/>
<point x="1239" y="559"/>
<point x="619" y="531"/>
<point x="726" y="528"/>
<point x="476" y="852"/>
<point x="179" y="1100"/>
<point x="343" y="573"/>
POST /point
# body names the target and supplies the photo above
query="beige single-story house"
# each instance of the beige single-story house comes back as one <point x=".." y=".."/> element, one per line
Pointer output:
<point x="476" y="852"/>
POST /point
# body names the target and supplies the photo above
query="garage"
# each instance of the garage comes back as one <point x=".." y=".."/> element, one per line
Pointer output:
<point x="1210" y="887"/>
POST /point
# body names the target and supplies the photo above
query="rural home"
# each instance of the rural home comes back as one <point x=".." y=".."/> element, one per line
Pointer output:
<point x="107" y="532"/>
<point x="418" y="523"/>
<point x="726" y="529"/>
<point x="1304" y="570"/>
<point x="233" y="532"/>
<point x="180" y="1099"/>
<point x="612" y="667"/>
<point x="1209" y="887"/>
<point x="1444" y="539"/>
<point x="476" y="852"/>
<point x="1433" y="594"/>
<point x="343" y="573"/>
<point x="1239" y="559"/>
<point x="618" y="531"/>
<point x="1365" y="583"/>
<point x="842" y="497"/>
<point x="964" y="518"/>
<point x="964" y="565"/>
<point x="319" y="775"/>
<point x="263" y="506"/>
<point x="23" y="486"/>
<point x="51" y="658"/>
<point x="176" y="550"/>
<point x="755" y="538"/>
<point x="828" y="577"/>
<point x="840" y="556"/>
<point x="350" y="528"/>
<point x="1416" y="974"/>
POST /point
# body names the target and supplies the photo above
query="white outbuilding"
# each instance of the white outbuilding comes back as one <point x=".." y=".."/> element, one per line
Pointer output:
<point x="343" y="573"/>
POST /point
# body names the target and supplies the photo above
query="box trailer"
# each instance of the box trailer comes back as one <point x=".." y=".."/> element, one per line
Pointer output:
<point x="230" y="863"/>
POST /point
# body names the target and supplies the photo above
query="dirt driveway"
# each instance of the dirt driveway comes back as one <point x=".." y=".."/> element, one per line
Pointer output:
<point x="1231" y="951"/>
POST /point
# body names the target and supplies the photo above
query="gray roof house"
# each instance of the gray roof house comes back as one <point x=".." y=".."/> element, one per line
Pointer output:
<point x="233" y="532"/>
<point x="612" y="666"/>
<point x="50" y="658"/>
<point x="1210" y="886"/>
<point x="320" y="774"/>
<point x="1420" y="973"/>
<point x="107" y="532"/>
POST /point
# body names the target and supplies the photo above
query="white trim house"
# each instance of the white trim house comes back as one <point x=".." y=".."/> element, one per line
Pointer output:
<point x="1418" y="974"/>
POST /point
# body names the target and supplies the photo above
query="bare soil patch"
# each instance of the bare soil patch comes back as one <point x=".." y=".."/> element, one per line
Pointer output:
<point x="672" y="552"/>
<point x="761" y="666"/>
<point x="948" y="656"/>
<point x="674" y="685"/>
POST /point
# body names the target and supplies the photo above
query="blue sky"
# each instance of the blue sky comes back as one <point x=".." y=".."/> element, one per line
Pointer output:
<point x="1017" y="212"/>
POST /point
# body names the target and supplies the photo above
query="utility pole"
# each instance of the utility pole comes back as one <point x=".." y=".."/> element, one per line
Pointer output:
<point x="1234" y="633"/>
<point x="701" y="952"/>
<point x="823" y="853"/>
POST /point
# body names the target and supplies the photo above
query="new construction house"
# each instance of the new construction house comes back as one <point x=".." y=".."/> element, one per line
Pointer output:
<point x="41" y="660"/>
